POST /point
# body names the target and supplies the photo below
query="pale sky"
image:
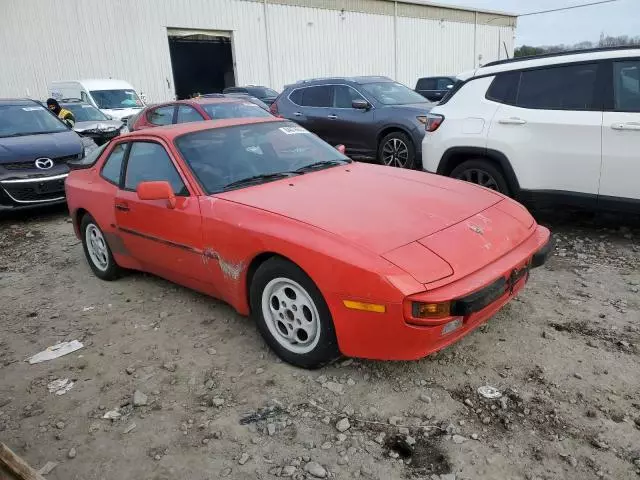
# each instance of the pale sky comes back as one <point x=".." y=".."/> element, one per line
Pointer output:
<point x="572" y="26"/>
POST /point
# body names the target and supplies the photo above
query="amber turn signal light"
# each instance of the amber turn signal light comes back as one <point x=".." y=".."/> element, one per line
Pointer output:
<point x="431" y="310"/>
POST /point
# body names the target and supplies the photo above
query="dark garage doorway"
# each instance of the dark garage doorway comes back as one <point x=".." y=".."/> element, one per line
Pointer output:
<point x="202" y="62"/>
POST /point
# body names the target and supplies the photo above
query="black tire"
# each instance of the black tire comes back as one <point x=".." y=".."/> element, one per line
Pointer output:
<point x="112" y="270"/>
<point x="388" y="141"/>
<point x="482" y="172"/>
<point x="326" y="349"/>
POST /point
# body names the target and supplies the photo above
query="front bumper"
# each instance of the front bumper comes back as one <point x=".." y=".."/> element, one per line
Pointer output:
<point x="32" y="192"/>
<point x="391" y="336"/>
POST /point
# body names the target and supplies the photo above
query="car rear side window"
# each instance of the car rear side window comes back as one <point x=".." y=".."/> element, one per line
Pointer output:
<point x="568" y="87"/>
<point x="296" y="96"/>
<point x="504" y="88"/>
<point x="161" y="115"/>
<point x="426" y="84"/>
<point x="149" y="162"/>
<point x="317" y="96"/>
<point x="112" y="167"/>
<point x="187" y="114"/>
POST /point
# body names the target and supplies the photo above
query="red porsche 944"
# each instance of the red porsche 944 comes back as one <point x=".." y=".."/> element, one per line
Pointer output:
<point x="330" y="257"/>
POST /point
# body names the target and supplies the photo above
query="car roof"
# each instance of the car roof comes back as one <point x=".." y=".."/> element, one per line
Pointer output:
<point x="16" y="101"/>
<point x="551" y="59"/>
<point x="170" y="132"/>
<point x="104" y="84"/>
<point x="358" y="80"/>
<point x="208" y="100"/>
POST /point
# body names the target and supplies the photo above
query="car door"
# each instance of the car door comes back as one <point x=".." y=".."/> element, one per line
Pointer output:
<point x="549" y="127"/>
<point x="621" y="133"/>
<point x="313" y="111"/>
<point x="349" y="126"/>
<point x="426" y="87"/>
<point x="443" y="85"/>
<point x="187" y="114"/>
<point x="166" y="241"/>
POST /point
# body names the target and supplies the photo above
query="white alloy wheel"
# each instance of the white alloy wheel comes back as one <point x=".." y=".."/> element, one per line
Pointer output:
<point x="291" y="315"/>
<point x="97" y="247"/>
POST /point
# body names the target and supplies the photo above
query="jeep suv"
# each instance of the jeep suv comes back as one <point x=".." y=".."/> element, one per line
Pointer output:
<point x="375" y="118"/>
<point x="561" y="128"/>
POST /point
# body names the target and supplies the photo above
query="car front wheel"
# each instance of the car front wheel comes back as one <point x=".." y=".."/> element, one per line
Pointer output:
<point x="97" y="250"/>
<point x="292" y="315"/>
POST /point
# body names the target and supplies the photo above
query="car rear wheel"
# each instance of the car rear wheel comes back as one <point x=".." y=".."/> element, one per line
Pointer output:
<point x="482" y="172"/>
<point x="292" y="315"/>
<point x="97" y="250"/>
<point x="396" y="150"/>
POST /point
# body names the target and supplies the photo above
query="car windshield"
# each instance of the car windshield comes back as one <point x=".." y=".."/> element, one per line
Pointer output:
<point x="220" y="157"/>
<point x="262" y="92"/>
<point x="392" y="93"/>
<point x="217" y="111"/>
<point x="116" y="99"/>
<point x="22" y="120"/>
<point x="84" y="112"/>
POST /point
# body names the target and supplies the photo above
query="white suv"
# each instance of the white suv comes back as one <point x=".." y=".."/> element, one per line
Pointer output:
<point x="561" y="128"/>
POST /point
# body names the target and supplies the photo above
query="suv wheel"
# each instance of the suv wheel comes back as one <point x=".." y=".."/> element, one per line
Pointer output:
<point x="481" y="172"/>
<point x="396" y="150"/>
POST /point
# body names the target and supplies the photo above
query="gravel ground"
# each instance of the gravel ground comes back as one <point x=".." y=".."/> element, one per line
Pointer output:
<point x="199" y="396"/>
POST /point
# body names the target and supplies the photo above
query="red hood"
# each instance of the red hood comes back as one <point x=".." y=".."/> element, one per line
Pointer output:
<point x="378" y="208"/>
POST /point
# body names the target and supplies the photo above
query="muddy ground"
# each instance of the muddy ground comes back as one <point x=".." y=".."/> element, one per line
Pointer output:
<point x="213" y="402"/>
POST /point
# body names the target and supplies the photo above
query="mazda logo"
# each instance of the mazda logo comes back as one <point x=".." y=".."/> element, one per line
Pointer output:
<point x="44" y="163"/>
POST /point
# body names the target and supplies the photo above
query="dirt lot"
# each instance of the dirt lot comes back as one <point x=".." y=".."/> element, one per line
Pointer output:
<point x="213" y="402"/>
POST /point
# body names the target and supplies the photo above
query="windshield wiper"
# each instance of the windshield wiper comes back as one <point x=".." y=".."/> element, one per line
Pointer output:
<point x="321" y="165"/>
<point x="255" y="179"/>
<point x="26" y="134"/>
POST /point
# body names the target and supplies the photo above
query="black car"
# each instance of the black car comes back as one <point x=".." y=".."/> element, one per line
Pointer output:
<point x="435" y="88"/>
<point x="35" y="147"/>
<point x="265" y="94"/>
<point x="92" y="123"/>
<point x="375" y="118"/>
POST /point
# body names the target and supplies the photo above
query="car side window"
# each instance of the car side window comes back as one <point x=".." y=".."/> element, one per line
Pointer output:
<point x="504" y="87"/>
<point x="161" y="115"/>
<point x="429" y="84"/>
<point x="343" y="96"/>
<point x="443" y="83"/>
<point x="112" y="168"/>
<point x="319" y="96"/>
<point x="149" y="162"/>
<point x="296" y="96"/>
<point x="188" y="114"/>
<point x="568" y="87"/>
<point x="626" y="86"/>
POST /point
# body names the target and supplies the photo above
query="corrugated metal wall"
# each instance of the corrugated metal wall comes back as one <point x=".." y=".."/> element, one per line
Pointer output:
<point x="46" y="40"/>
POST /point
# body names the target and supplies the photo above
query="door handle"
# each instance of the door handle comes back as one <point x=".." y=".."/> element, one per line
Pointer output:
<point x="332" y="116"/>
<point x="297" y="114"/>
<point x="512" y="121"/>
<point x="123" y="207"/>
<point x="626" y="126"/>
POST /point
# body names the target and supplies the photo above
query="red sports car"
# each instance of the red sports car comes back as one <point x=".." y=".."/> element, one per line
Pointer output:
<point x="196" y="110"/>
<point x="329" y="256"/>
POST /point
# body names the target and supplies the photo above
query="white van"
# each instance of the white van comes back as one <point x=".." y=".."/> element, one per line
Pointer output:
<point x="115" y="98"/>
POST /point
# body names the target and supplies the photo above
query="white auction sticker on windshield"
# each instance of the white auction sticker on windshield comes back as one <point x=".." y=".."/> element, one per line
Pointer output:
<point x="31" y="109"/>
<point x="293" y="130"/>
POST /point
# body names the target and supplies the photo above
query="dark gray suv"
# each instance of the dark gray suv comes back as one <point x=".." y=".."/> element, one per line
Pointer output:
<point x="373" y="117"/>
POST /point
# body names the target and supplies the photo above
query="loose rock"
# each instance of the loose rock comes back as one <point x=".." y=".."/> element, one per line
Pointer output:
<point x="244" y="458"/>
<point x="72" y="453"/>
<point x="343" y="425"/>
<point x="139" y="399"/>
<point x="315" y="469"/>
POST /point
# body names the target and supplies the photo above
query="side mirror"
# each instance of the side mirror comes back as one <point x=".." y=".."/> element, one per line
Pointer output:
<point x="157" y="191"/>
<point x="341" y="148"/>
<point x="360" y="104"/>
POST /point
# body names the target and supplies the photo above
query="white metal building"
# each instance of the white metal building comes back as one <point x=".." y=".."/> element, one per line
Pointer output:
<point x="264" y="42"/>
